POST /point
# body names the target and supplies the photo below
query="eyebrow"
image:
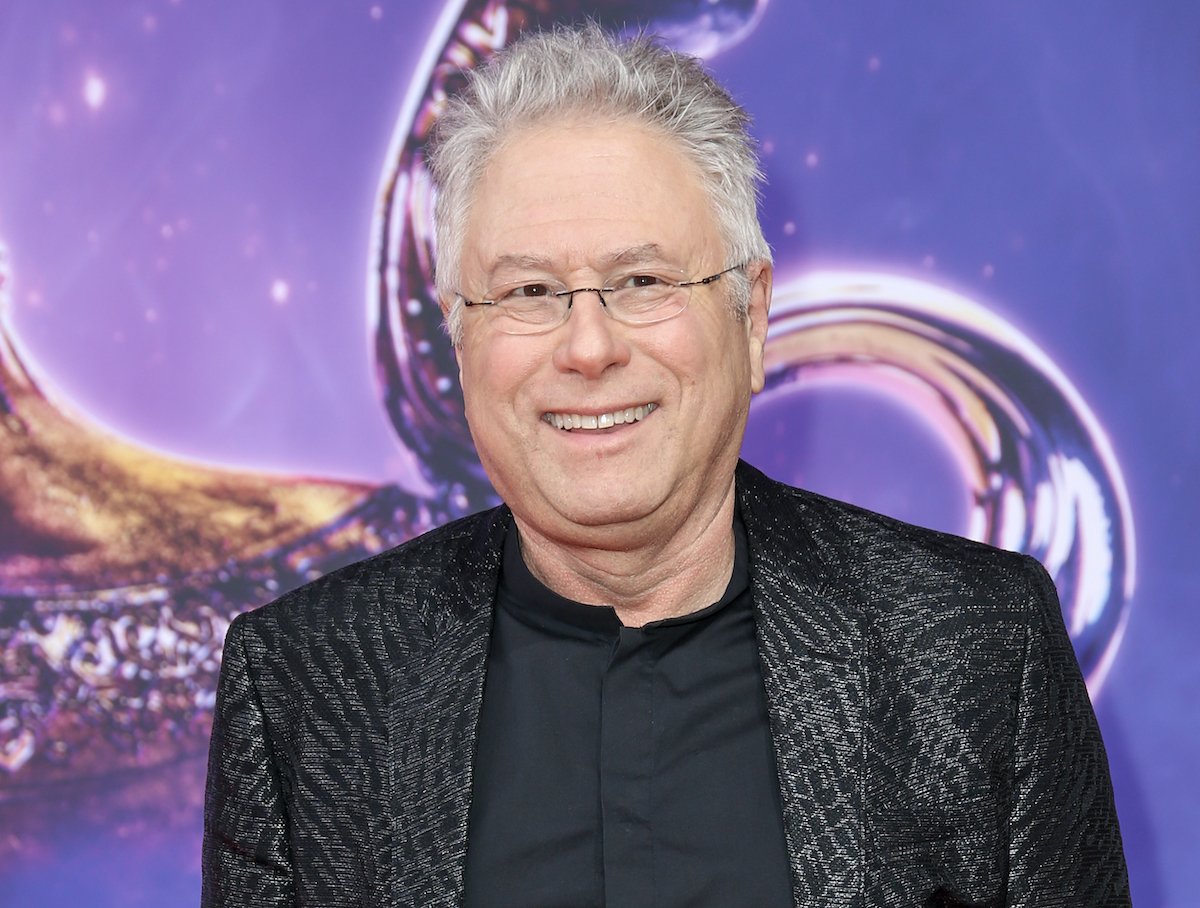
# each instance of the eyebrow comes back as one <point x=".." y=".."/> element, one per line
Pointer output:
<point x="633" y="255"/>
<point x="521" y="263"/>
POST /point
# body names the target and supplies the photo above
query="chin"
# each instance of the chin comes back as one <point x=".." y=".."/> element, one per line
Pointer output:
<point x="596" y="508"/>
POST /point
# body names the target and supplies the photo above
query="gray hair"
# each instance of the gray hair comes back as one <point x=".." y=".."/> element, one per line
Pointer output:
<point x="545" y="76"/>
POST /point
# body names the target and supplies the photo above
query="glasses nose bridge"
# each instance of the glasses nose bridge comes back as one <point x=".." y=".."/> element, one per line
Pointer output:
<point x="599" y="291"/>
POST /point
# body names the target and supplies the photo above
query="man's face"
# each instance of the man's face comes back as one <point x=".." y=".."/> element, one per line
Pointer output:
<point x="572" y="198"/>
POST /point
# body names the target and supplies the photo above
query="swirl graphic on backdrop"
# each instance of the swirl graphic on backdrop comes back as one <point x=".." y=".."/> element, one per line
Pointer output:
<point x="1040" y="469"/>
<point x="1039" y="466"/>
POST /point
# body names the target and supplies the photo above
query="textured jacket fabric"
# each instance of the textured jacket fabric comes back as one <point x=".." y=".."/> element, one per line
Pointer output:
<point x="934" y="740"/>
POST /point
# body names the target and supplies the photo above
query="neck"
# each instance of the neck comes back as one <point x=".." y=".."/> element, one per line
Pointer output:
<point x="651" y="576"/>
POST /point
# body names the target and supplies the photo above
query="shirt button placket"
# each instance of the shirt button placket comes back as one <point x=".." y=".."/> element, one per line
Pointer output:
<point x="626" y="768"/>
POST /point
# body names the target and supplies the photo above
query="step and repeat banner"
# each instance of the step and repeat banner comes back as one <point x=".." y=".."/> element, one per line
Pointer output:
<point x="222" y="371"/>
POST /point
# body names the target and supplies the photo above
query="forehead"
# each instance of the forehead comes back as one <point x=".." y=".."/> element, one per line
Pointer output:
<point x="576" y="195"/>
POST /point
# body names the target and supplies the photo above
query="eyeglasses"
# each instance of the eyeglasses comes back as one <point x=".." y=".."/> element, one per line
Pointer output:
<point x="636" y="298"/>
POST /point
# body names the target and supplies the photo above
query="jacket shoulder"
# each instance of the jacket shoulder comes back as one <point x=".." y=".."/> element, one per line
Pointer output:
<point x="885" y="564"/>
<point x="403" y="585"/>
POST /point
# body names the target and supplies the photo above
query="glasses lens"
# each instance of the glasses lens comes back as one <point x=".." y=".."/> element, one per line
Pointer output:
<point x="644" y="299"/>
<point x="528" y="308"/>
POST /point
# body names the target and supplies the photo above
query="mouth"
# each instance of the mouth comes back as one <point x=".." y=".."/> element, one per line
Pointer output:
<point x="588" y="422"/>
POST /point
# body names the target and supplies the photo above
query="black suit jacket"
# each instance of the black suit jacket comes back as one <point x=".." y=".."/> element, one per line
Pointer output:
<point x="934" y="739"/>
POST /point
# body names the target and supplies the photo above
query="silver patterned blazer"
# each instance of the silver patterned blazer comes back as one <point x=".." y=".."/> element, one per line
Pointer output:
<point x="933" y="736"/>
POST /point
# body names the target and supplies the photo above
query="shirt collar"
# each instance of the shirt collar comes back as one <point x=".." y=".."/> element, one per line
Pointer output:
<point x="531" y="601"/>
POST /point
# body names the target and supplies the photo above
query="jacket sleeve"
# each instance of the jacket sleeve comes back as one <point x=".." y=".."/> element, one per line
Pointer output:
<point x="246" y="856"/>
<point x="1065" y="845"/>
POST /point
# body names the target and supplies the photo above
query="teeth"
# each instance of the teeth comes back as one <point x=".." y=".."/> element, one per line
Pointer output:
<point x="571" y="421"/>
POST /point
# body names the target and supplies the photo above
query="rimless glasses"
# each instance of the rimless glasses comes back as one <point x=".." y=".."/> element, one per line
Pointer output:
<point x="637" y="298"/>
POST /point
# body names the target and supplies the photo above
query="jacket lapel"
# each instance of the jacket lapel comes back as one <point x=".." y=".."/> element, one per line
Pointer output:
<point x="435" y="693"/>
<point x="810" y="636"/>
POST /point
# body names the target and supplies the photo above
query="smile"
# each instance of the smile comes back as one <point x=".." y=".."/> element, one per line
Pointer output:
<point x="569" y="422"/>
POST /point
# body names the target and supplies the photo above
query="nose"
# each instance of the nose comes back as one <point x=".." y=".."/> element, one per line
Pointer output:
<point x="590" y="341"/>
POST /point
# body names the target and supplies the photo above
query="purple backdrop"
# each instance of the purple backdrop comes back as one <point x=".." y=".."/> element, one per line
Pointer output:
<point x="203" y="257"/>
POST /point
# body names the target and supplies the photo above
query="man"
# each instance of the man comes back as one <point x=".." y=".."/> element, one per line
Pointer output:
<point x="654" y="677"/>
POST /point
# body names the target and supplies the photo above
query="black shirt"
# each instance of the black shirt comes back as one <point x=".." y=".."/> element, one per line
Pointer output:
<point x="620" y="766"/>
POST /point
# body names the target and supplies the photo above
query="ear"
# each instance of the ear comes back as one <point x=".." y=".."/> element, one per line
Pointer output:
<point x="446" y="305"/>
<point x="761" y="275"/>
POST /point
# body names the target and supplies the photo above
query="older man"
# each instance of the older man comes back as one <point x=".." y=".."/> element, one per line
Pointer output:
<point x="654" y="677"/>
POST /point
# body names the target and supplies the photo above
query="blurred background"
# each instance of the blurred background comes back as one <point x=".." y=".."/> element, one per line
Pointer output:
<point x="221" y="372"/>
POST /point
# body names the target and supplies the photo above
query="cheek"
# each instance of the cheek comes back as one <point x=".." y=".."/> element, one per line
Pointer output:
<point x="496" y="370"/>
<point x="705" y="356"/>
<point x="722" y="379"/>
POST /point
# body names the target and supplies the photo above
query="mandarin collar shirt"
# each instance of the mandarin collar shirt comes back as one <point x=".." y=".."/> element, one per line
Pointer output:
<point x="623" y="766"/>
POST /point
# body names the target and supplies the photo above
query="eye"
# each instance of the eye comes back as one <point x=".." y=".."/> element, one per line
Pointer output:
<point x="529" y="291"/>
<point x="639" y="281"/>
